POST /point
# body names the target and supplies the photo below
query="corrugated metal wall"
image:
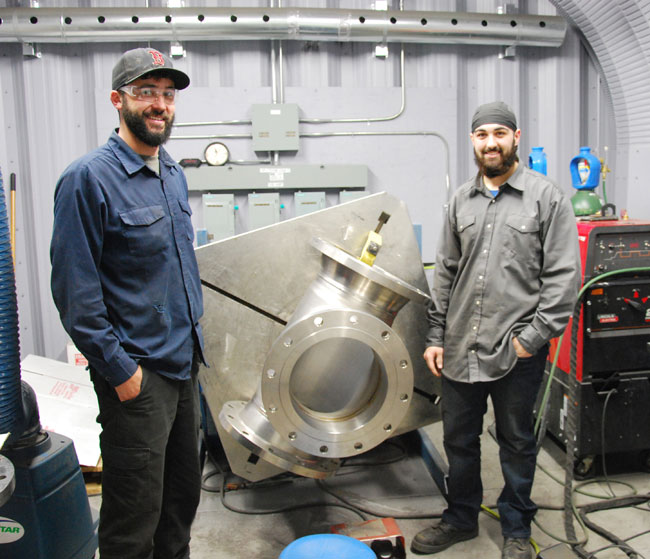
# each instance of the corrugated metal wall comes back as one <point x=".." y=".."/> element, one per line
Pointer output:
<point x="55" y="108"/>
<point x="618" y="34"/>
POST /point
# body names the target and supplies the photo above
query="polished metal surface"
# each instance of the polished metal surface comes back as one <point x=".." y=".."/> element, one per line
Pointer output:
<point x="314" y="355"/>
<point x="93" y="25"/>
<point x="7" y="479"/>
<point x="337" y="383"/>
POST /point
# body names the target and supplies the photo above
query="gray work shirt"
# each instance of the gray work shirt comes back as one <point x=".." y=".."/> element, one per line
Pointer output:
<point x="507" y="265"/>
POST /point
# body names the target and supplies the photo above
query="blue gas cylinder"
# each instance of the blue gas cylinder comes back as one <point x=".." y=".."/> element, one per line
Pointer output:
<point x="537" y="160"/>
<point x="585" y="170"/>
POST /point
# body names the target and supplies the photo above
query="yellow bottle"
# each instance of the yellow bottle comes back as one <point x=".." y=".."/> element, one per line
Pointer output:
<point x="373" y="242"/>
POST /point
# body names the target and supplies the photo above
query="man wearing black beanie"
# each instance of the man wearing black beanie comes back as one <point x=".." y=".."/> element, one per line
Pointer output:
<point x="506" y="280"/>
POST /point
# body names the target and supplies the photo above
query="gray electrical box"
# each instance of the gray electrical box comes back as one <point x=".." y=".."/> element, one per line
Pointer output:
<point x="275" y="127"/>
<point x="219" y="216"/>
<point x="349" y="195"/>
<point x="308" y="202"/>
<point x="263" y="209"/>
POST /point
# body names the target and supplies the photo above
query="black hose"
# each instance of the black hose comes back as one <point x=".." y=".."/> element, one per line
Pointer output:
<point x="615" y="503"/>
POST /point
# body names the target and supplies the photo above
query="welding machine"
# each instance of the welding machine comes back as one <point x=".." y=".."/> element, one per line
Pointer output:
<point x="613" y="347"/>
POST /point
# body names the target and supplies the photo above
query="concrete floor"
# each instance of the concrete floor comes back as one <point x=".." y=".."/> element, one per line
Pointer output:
<point x="219" y="533"/>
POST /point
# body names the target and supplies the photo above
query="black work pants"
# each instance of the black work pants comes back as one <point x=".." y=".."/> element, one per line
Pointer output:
<point x="463" y="407"/>
<point x="151" y="481"/>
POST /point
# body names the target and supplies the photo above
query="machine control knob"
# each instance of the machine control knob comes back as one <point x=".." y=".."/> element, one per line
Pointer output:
<point x="634" y="304"/>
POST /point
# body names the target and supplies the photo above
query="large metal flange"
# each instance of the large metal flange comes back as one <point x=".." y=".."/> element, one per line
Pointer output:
<point x="248" y="425"/>
<point x="337" y="383"/>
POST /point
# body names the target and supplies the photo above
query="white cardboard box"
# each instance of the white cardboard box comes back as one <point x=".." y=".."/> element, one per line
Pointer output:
<point x="75" y="357"/>
<point x="67" y="403"/>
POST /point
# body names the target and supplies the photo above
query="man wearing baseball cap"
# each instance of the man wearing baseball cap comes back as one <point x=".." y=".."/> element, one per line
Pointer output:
<point x="126" y="284"/>
<point x="506" y="280"/>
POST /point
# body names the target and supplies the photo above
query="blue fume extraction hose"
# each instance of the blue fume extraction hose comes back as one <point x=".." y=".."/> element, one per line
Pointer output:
<point x="11" y="405"/>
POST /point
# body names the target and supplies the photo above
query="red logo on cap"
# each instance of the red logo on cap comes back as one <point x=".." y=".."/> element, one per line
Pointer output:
<point x="158" y="59"/>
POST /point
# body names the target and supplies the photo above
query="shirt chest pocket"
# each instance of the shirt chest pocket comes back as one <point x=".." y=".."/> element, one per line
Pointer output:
<point x="521" y="237"/>
<point x="466" y="229"/>
<point x="146" y="230"/>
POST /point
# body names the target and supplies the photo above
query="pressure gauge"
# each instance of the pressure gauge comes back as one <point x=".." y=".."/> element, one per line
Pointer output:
<point x="216" y="154"/>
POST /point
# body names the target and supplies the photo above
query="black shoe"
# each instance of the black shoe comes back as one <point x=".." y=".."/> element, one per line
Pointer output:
<point x="440" y="536"/>
<point x="516" y="548"/>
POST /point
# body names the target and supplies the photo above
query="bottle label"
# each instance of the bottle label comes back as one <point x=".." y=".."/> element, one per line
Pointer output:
<point x="583" y="170"/>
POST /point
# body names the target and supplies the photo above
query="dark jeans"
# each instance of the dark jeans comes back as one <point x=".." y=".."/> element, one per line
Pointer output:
<point x="463" y="408"/>
<point x="151" y="481"/>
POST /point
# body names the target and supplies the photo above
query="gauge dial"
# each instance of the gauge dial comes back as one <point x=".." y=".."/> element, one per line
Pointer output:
<point x="216" y="154"/>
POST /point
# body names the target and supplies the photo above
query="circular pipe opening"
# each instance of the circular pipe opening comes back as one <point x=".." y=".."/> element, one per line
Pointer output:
<point x="337" y="379"/>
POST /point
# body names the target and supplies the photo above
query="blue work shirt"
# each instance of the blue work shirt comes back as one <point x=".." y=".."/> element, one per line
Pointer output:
<point x="124" y="273"/>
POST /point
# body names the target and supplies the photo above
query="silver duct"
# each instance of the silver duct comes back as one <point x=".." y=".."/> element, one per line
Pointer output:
<point x="95" y="25"/>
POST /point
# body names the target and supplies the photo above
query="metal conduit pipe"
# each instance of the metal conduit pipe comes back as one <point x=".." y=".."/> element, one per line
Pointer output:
<point x="96" y="25"/>
<point x="323" y="120"/>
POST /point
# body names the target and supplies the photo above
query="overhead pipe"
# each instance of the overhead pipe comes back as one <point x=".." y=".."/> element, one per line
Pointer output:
<point x="97" y="25"/>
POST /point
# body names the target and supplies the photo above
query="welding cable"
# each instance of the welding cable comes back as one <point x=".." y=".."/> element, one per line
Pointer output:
<point x="610" y="393"/>
<point x="353" y="462"/>
<point x="618" y="502"/>
<point x="374" y="508"/>
<point x="592" y="554"/>
<point x="290" y="508"/>
<point x="540" y="422"/>
<point x="626" y="540"/>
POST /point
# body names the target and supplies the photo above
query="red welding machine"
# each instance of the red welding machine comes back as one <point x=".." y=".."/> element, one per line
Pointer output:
<point x="613" y="346"/>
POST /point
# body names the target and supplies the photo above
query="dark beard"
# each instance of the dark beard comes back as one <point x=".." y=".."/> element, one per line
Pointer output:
<point x="509" y="160"/>
<point x="138" y="126"/>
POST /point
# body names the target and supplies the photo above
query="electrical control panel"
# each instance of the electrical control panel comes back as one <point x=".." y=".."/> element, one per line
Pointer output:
<point x="617" y="327"/>
<point x="619" y="245"/>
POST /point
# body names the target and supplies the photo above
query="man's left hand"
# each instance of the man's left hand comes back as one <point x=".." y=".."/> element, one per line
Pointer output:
<point x="519" y="349"/>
